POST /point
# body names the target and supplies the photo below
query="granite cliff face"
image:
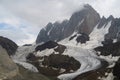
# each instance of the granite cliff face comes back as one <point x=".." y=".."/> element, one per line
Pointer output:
<point x="82" y="21"/>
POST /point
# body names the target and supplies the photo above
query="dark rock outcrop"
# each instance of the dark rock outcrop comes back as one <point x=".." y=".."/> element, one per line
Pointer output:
<point x="50" y="45"/>
<point x="9" y="45"/>
<point x="52" y="64"/>
<point x="82" y="21"/>
<point x="82" y="38"/>
<point x="47" y="45"/>
<point x="114" y="30"/>
<point x="107" y="42"/>
<point x="112" y="48"/>
<point x="116" y="69"/>
<point x="27" y="45"/>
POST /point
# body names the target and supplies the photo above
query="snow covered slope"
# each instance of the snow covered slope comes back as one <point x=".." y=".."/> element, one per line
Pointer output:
<point x="87" y="58"/>
<point x="96" y="37"/>
<point x="20" y="57"/>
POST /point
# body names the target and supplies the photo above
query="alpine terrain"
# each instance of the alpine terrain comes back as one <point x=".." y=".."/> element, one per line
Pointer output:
<point x="84" y="47"/>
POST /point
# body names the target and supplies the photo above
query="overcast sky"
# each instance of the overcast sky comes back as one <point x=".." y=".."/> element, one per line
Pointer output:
<point x="21" y="20"/>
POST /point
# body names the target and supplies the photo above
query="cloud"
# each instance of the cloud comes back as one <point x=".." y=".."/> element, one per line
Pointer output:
<point x="19" y="34"/>
<point x="37" y="13"/>
<point x="40" y="12"/>
<point x="16" y="29"/>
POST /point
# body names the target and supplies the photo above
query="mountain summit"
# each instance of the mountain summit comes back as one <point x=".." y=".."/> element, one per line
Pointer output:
<point x="82" y="21"/>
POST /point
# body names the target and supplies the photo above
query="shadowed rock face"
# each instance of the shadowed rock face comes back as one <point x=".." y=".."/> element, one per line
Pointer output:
<point x="116" y="69"/>
<point x="50" y="45"/>
<point x="8" y="69"/>
<point x="82" y="22"/>
<point x="112" y="48"/>
<point x="114" y="31"/>
<point x="82" y="38"/>
<point x="47" y="45"/>
<point x="9" y="45"/>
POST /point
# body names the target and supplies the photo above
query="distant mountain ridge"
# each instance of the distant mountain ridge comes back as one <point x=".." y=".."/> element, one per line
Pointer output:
<point x="83" y="21"/>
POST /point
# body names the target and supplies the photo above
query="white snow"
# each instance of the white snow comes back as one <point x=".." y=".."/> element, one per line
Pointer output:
<point x="109" y="77"/>
<point x="110" y="59"/>
<point x="46" y="52"/>
<point x="26" y="65"/>
<point x="20" y="57"/>
<point x="62" y="70"/>
<point x="50" y="30"/>
<point x="97" y="36"/>
<point x="114" y="40"/>
<point x="22" y="52"/>
<point x="79" y="24"/>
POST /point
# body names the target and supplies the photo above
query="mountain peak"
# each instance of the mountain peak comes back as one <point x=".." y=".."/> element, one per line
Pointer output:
<point x="87" y="6"/>
<point x="110" y="17"/>
<point x="82" y="21"/>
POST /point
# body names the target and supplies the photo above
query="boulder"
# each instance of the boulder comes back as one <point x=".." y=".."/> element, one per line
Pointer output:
<point x="8" y="68"/>
<point x="9" y="45"/>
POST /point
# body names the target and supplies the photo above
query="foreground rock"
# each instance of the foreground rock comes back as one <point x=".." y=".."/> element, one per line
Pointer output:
<point x="8" y="68"/>
<point x="9" y="45"/>
<point x="25" y="74"/>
